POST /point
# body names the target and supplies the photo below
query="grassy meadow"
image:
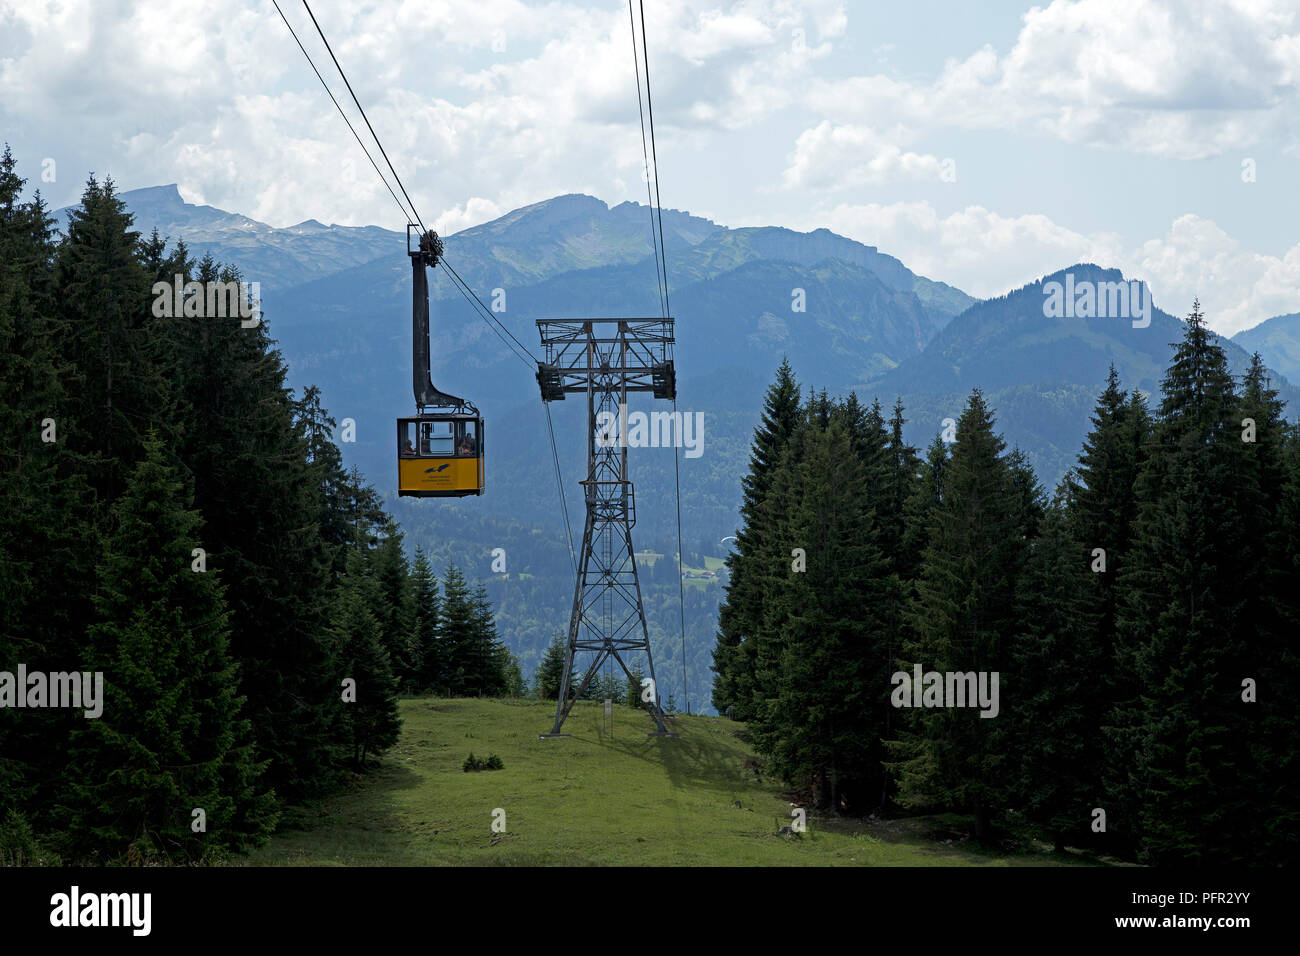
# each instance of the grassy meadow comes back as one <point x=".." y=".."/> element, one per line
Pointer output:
<point x="593" y="800"/>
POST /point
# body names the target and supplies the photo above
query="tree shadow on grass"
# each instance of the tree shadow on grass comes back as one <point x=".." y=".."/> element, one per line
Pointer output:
<point x="365" y="801"/>
<point x="693" y="760"/>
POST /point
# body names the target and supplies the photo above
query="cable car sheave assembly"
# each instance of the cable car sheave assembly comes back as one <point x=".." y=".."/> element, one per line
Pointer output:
<point x="440" y="450"/>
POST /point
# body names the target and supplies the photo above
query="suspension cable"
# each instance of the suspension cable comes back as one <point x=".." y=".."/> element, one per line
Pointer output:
<point x="661" y="279"/>
<point x="382" y="151"/>
<point x="645" y="157"/>
<point x="518" y="349"/>
<point x="407" y="215"/>
<point x="654" y="155"/>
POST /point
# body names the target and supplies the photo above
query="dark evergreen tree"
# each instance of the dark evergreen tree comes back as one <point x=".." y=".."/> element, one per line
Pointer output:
<point x="1266" y="498"/>
<point x="737" y="617"/>
<point x="171" y="737"/>
<point x="901" y="484"/>
<point x="821" y="724"/>
<point x="118" y="384"/>
<point x="371" y="721"/>
<point x="1103" y="508"/>
<point x="489" y="663"/>
<point x="459" y="634"/>
<point x="1056" y="730"/>
<point x="551" y="670"/>
<point x="256" y="479"/>
<point x="1183" y="619"/>
<point x="394" y="606"/>
<point x="923" y="503"/>
<point x="963" y="619"/>
<point x="1280" y="723"/>
<point x="47" y="519"/>
<point x="426" y="624"/>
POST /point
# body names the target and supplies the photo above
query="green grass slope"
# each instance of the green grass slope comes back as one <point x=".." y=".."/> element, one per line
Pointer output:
<point x="590" y="800"/>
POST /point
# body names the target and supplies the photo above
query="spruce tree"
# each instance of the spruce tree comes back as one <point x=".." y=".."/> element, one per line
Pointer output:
<point x="923" y="503"/>
<point x="1280" y="721"/>
<point x="901" y="484"/>
<point x="371" y="722"/>
<point x="1183" y="622"/>
<point x="456" y="637"/>
<point x="47" y="518"/>
<point x="775" y="559"/>
<point x="821" y="724"/>
<point x="1103" y="507"/>
<point x="487" y="663"/>
<point x="1055" y="659"/>
<point x="171" y="737"/>
<point x="116" y="348"/>
<point x="259" y="481"/>
<point x="1267" y="504"/>
<point x="551" y="670"/>
<point x="425" y="624"/>
<point x="962" y="620"/>
<point x="395" y="606"/>
<point x="738" y="616"/>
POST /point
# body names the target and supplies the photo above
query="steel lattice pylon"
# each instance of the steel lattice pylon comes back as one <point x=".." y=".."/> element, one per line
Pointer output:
<point x="606" y="359"/>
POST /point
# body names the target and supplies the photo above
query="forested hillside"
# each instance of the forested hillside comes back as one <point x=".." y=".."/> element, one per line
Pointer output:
<point x="1129" y="634"/>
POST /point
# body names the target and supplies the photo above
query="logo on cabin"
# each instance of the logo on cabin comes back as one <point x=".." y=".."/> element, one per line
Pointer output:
<point x="430" y="471"/>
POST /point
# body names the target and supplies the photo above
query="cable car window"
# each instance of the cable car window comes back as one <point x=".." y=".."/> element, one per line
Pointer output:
<point x="467" y="439"/>
<point x="406" y="439"/>
<point x="436" y="438"/>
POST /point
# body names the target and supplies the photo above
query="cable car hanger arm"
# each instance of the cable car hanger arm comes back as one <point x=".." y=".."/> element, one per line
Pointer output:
<point x="427" y="253"/>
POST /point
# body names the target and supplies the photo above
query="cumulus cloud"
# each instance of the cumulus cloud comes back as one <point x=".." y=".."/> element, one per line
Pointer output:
<point x="1181" y="79"/>
<point x="1238" y="287"/>
<point x="986" y="254"/>
<point x="497" y="99"/>
<point x="839" y="156"/>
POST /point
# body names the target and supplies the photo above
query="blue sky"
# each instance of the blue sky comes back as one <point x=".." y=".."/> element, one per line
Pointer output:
<point x="984" y="144"/>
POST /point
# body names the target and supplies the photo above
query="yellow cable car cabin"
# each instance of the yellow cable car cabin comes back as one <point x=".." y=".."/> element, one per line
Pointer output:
<point x="440" y="448"/>
<point x="440" y="455"/>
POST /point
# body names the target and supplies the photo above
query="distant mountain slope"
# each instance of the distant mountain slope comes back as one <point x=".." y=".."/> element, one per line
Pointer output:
<point x="1042" y="375"/>
<point x="276" y="258"/>
<point x="1277" y="340"/>
<point x="528" y="245"/>
<point x="566" y="234"/>
<point x="730" y="248"/>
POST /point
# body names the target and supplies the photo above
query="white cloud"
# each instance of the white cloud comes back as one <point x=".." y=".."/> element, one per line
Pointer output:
<point x="988" y="255"/>
<point x="1237" y="287"/>
<point x="496" y="99"/>
<point x="974" y="249"/>
<point x="830" y="156"/>
<point x="1174" y="78"/>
